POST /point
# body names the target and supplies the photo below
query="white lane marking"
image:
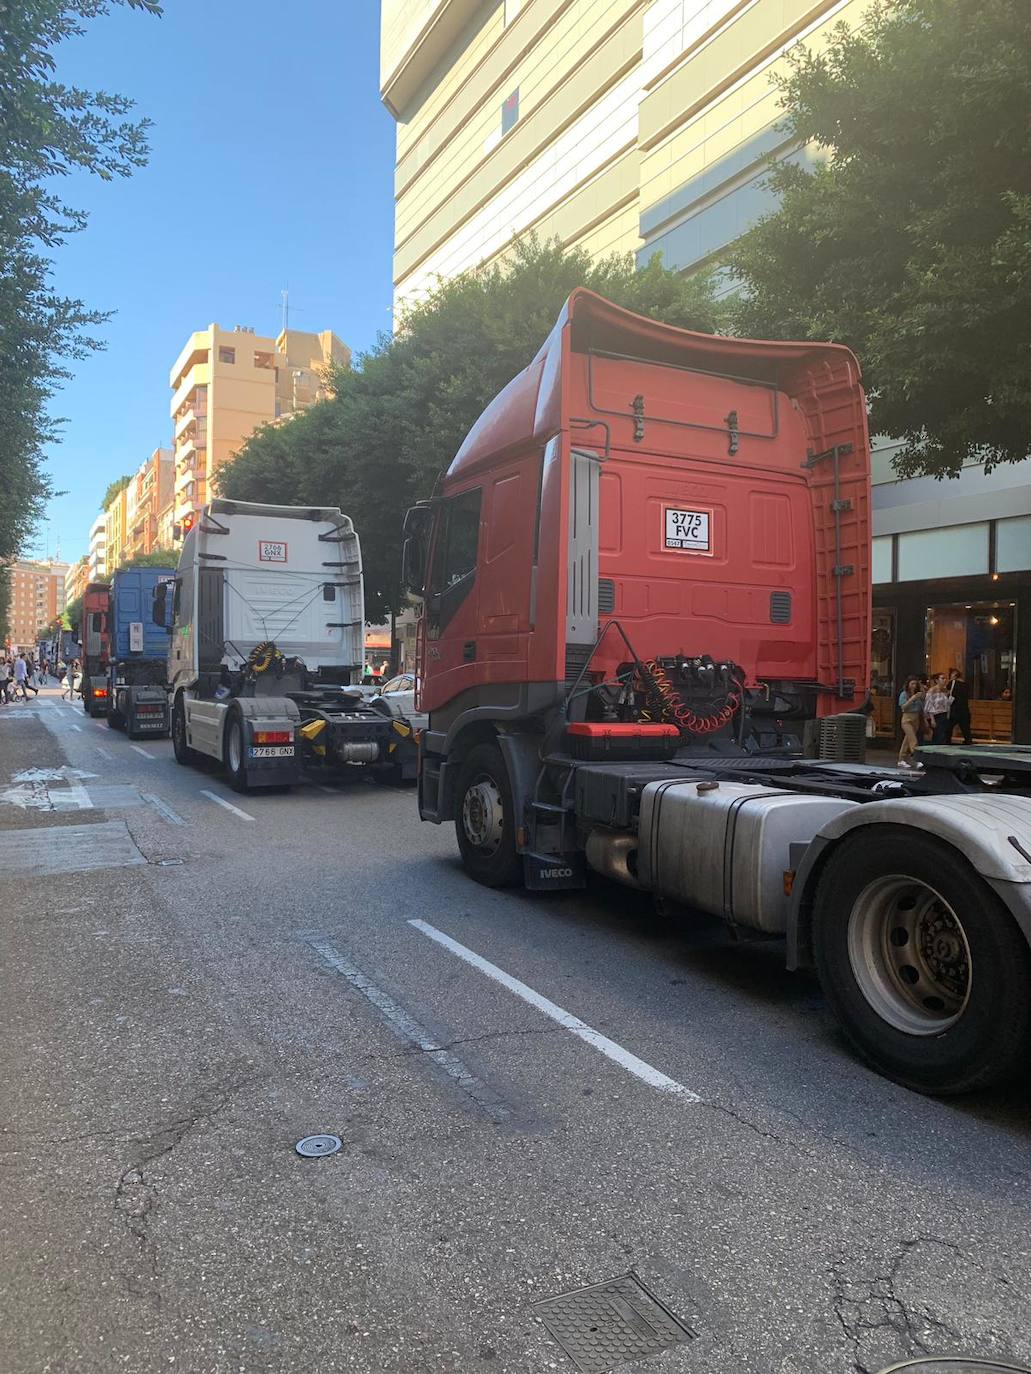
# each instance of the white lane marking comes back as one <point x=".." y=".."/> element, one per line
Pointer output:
<point x="104" y="754"/>
<point x="213" y="796"/>
<point x="162" y="808"/>
<point x="652" y="1076"/>
<point x="141" y="751"/>
<point x="78" y="796"/>
<point x="406" y="1026"/>
<point x="322" y="788"/>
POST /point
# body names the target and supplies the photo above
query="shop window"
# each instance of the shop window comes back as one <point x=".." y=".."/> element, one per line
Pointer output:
<point x="881" y="559"/>
<point x="978" y="638"/>
<point x="227" y="355"/>
<point x="1013" y="544"/>
<point x="953" y="551"/>
<point x="265" y="360"/>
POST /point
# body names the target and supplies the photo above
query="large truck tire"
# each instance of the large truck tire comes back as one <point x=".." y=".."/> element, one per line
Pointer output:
<point x="485" y="820"/>
<point x="182" y="751"/>
<point x="115" y="719"/>
<point x="922" y="964"/>
<point x="234" y="752"/>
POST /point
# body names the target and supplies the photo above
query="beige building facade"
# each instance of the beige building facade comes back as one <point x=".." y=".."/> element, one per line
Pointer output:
<point x="226" y="384"/>
<point x="619" y="125"/>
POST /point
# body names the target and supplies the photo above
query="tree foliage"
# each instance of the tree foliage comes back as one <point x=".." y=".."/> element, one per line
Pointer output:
<point x="911" y="241"/>
<point x="113" y="488"/>
<point x="47" y="130"/>
<point x="397" y="419"/>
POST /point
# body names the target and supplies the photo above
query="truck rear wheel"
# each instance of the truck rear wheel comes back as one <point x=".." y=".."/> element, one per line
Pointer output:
<point x="922" y="964"/>
<point x="235" y="755"/>
<point x="485" y="821"/>
<point x="115" y="719"/>
<point x="182" y="751"/>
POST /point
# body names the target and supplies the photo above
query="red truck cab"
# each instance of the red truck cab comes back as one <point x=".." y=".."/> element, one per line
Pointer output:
<point x="95" y="634"/>
<point x="641" y="494"/>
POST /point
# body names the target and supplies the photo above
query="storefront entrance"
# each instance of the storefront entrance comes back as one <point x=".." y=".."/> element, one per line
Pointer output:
<point x="978" y="638"/>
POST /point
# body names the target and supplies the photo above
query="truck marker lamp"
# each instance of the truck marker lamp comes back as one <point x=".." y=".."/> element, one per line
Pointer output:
<point x="313" y="729"/>
<point x="789" y="881"/>
<point x="402" y="729"/>
<point x="273" y="737"/>
<point x="100" y="691"/>
<point x="391" y="747"/>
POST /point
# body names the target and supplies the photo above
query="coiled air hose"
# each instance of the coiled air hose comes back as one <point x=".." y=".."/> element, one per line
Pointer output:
<point x="676" y="711"/>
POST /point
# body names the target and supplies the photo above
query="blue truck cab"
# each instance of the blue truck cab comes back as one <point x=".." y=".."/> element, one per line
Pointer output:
<point x="137" y="698"/>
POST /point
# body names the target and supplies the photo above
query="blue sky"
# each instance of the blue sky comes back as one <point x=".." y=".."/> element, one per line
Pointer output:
<point x="271" y="167"/>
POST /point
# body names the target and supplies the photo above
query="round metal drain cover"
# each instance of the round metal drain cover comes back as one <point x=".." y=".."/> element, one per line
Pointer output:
<point x="315" y="1146"/>
<point x="954" y="1364"/>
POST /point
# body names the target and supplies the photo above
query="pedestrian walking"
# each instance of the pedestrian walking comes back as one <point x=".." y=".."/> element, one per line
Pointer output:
<point x="959" y="709"/>
<point x="936" y="709"/>
<point x="5" y="682"/>
<point x="72" y="679"/>
<point x="911" y="705"/>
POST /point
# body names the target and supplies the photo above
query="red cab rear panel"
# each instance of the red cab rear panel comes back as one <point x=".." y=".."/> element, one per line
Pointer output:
<point x="710" y="494"/>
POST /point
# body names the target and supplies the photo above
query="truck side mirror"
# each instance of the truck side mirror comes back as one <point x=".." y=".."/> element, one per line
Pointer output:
<point x="418" y="523"/>
<point x="164" y="605"/>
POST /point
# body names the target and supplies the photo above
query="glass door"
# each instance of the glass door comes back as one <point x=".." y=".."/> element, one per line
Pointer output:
<point x="978" y="638"/>
<point x="883" y="689"/>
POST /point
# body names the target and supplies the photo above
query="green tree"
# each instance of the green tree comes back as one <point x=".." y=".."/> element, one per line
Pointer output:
<point x="47" y="130"/>
<point x="113" y="488"/>
<point x="911" y="240"/>
<point x="397" y="418"/>
<point x="157" y="558"/>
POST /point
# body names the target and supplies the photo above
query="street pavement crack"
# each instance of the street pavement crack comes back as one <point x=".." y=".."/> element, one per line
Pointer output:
<point x="136" y="1198"/>
<point x="870" y="1303"/>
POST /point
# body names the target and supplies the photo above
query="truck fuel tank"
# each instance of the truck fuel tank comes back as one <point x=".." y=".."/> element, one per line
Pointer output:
<point x="724" y="847"/>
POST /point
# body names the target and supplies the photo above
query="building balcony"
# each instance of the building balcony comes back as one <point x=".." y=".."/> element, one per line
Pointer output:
<point x="197" y="375"/>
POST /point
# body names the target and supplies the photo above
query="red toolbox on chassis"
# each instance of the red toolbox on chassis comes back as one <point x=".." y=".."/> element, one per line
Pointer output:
<point x="595" y="741"/>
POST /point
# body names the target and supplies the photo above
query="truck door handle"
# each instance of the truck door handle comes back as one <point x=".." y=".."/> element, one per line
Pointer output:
<point x="469" y="651"/>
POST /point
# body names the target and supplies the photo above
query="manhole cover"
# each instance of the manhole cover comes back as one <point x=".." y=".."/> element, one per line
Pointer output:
<point x="607" y="1324"/>
<point x="315" y="1146"/>
<point x="954" y="1364"/>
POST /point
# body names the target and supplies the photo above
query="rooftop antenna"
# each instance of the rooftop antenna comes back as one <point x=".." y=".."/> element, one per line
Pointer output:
<point x="286" y="308"/>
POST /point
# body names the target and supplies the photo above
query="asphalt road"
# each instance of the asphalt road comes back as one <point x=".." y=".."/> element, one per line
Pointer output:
<point x="189" y="989"/>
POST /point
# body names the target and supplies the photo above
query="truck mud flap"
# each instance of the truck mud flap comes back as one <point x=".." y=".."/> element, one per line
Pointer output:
<point x="554" y="873"/>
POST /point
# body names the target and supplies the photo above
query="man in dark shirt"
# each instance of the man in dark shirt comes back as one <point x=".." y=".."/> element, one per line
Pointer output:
<point x="959" y="713"/>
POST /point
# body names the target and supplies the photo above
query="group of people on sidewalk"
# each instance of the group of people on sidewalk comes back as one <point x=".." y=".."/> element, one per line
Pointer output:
<point x="20" y="675"/>
<point x="932" y="709"/>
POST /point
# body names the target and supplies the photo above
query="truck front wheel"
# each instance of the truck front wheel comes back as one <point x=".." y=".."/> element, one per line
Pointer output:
<point x="182" y="751"/>
<point x="485" y="821"/>
<point x="922" y="964"/>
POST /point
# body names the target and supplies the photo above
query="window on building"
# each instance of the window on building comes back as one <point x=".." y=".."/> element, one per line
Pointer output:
<point x="510" y="112"/>
<point x="227" y="355"/>
<point x="264" y="360"/>
<point x="952" y="551"/>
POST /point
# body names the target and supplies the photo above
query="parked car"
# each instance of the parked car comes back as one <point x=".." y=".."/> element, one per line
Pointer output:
<point x="399" y="695"/>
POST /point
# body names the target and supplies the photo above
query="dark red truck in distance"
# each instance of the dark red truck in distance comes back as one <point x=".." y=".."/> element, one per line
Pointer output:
<point x="646" y="593"/>
<point x="95" y="634"/>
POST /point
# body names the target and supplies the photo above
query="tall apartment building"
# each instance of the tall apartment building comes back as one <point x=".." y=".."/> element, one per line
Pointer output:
<point x="148" y="494"/>
<point x="227" y="383"/>
<point x="76" y="580"/>
<point x="97" y="556"/>
<point x="645" y="126"/>
<point x="117" y="513"/>
<point x="37" y="596"/>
